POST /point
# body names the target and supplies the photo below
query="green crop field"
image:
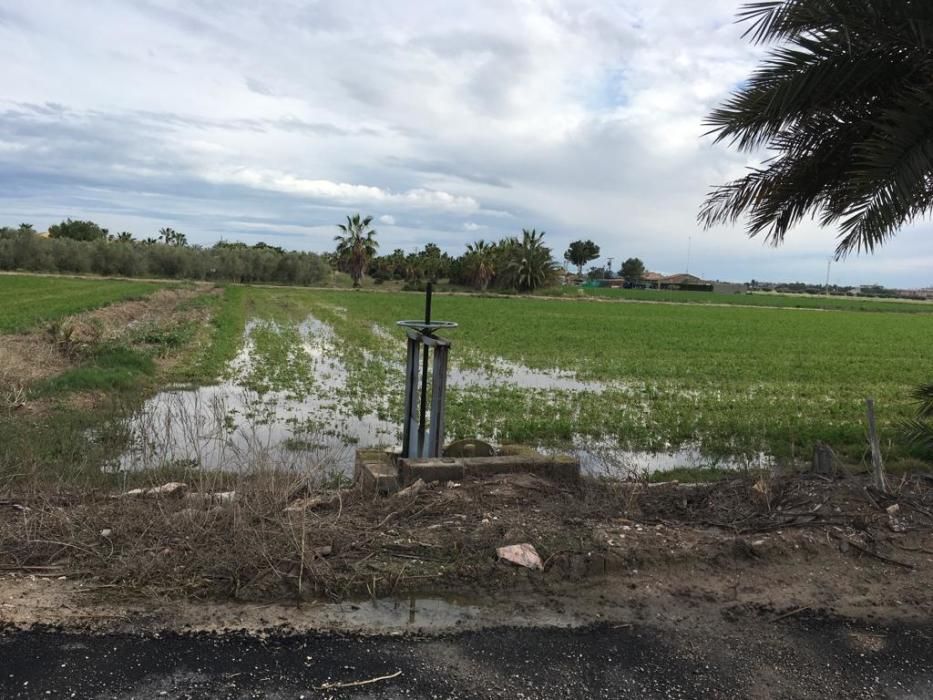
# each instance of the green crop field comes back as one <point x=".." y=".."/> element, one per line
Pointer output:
<point x="723" y="381"/>
<point x="798" y="301"/>
<point x="27" y="300"/>
<point x="735" y="380"/>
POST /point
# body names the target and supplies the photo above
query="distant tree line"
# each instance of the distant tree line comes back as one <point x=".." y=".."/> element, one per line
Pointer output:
<point x="513" y="263"/>
<point x="84" y="247"/>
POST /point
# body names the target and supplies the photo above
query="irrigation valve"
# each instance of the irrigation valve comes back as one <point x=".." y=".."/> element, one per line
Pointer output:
<point x="420" y="437"/>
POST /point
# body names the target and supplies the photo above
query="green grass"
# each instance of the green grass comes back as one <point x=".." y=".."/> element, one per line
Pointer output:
<point x="26" y="301"/>
<point x="110" y="369"/>
<point x="801" y="301"/>
<point x="220" y="344"/>
<point x="738" y="380"/>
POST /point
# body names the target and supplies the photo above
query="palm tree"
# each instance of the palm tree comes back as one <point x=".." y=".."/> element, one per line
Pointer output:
<point x="480" y="263"/>
<point x="356" y="246"/>
<point x="919" y="429"/>
<point x="530" y="264"/>
<point x="124" y="237"/>
<point x="846" y="107"/>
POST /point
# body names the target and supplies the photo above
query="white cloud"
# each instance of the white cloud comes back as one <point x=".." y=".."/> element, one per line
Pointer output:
<point x="387" y="219"/>
<point x="580" y="117"/>
<point x="344" y="193"/>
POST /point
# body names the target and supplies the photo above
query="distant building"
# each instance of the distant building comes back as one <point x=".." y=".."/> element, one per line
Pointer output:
<point x="685" y="282"/>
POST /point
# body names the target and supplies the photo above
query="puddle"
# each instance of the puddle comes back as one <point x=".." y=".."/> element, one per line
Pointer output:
<point x="605" y="458"/>
<point x="295" y="406"/>
<point x="498" y="371"/>
<point x="232" y="426"/>
<point x="395" y="613"/>
<point x="433" y="614"/>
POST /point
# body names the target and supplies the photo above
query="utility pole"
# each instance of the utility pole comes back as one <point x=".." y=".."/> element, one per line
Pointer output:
<point x="828" y="265"/>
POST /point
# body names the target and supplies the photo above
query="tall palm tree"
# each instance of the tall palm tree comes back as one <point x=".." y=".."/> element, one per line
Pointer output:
<point x="480" y="263"/>
<point x="530" y="264"/>
<point x="356" y="245"/>
<point x="845" y="104"/>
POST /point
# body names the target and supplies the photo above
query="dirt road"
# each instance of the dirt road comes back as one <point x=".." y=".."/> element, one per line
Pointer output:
<point x="798" y="657"/>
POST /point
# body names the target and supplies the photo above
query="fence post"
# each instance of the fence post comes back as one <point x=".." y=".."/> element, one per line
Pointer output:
<point x="877" y="466"/>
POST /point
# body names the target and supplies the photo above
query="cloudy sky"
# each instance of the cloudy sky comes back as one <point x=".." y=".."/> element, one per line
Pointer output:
<point x="447" y="121"/>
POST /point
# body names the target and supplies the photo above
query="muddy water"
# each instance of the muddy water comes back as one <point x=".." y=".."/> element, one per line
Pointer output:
<point x="233" y="426"/>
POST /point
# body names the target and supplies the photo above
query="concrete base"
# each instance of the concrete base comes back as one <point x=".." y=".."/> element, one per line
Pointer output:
<point x="383" y="472"/>
<point x="430" y="469"/>
<point x="375" y="470"/>
<point x="558" y="467"/>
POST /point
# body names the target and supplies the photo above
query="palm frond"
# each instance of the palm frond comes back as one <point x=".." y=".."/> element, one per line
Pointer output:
<point x="846" y="104"/>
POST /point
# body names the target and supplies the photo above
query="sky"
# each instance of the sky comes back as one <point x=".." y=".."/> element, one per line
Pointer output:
<point x="446" y="121"/>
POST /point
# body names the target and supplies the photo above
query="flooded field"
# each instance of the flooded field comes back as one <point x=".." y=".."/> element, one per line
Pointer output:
<point x="290" y="400"/>
<point x="630" y="388"/>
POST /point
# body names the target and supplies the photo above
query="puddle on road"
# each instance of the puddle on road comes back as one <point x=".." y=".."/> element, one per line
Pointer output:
<point x="394" y="613"/>
<point x="406" y="613"/>
<point x="314" y="418"/>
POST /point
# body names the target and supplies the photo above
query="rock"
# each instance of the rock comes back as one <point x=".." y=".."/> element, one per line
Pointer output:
<point x="895" y="521"/>
<point x="220" y="497"/>
<point x="106" y="532"/>
<point x="521" y="554"/>
<point x="412" y="490"/>
<point x="172" y="488"/>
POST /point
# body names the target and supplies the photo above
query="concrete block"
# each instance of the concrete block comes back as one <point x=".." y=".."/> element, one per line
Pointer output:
<point x="557" y="467"/>
<point x="375" y="471"/>
<point x="430" y="469"/>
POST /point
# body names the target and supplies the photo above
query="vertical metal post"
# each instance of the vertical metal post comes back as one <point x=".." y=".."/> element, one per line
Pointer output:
<point x="410" y="427"/>
<point x="424" y="375"/>
<point x="438" y="390"/>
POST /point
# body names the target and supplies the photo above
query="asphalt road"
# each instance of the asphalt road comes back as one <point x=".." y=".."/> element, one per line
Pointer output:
<point x="794" y="658"/>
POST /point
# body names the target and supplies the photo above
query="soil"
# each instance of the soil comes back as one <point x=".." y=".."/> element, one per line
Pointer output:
<point x="612" y="550"/>
<point x="27" y="358"/>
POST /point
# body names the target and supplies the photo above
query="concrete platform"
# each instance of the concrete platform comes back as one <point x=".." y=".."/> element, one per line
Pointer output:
<point x="557" y="467"/>
<point x="383" y="472"/>
<point x="430" y="469"/>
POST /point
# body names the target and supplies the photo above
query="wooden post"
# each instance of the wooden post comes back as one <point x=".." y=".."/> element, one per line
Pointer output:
<point x="877" y="466"/>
